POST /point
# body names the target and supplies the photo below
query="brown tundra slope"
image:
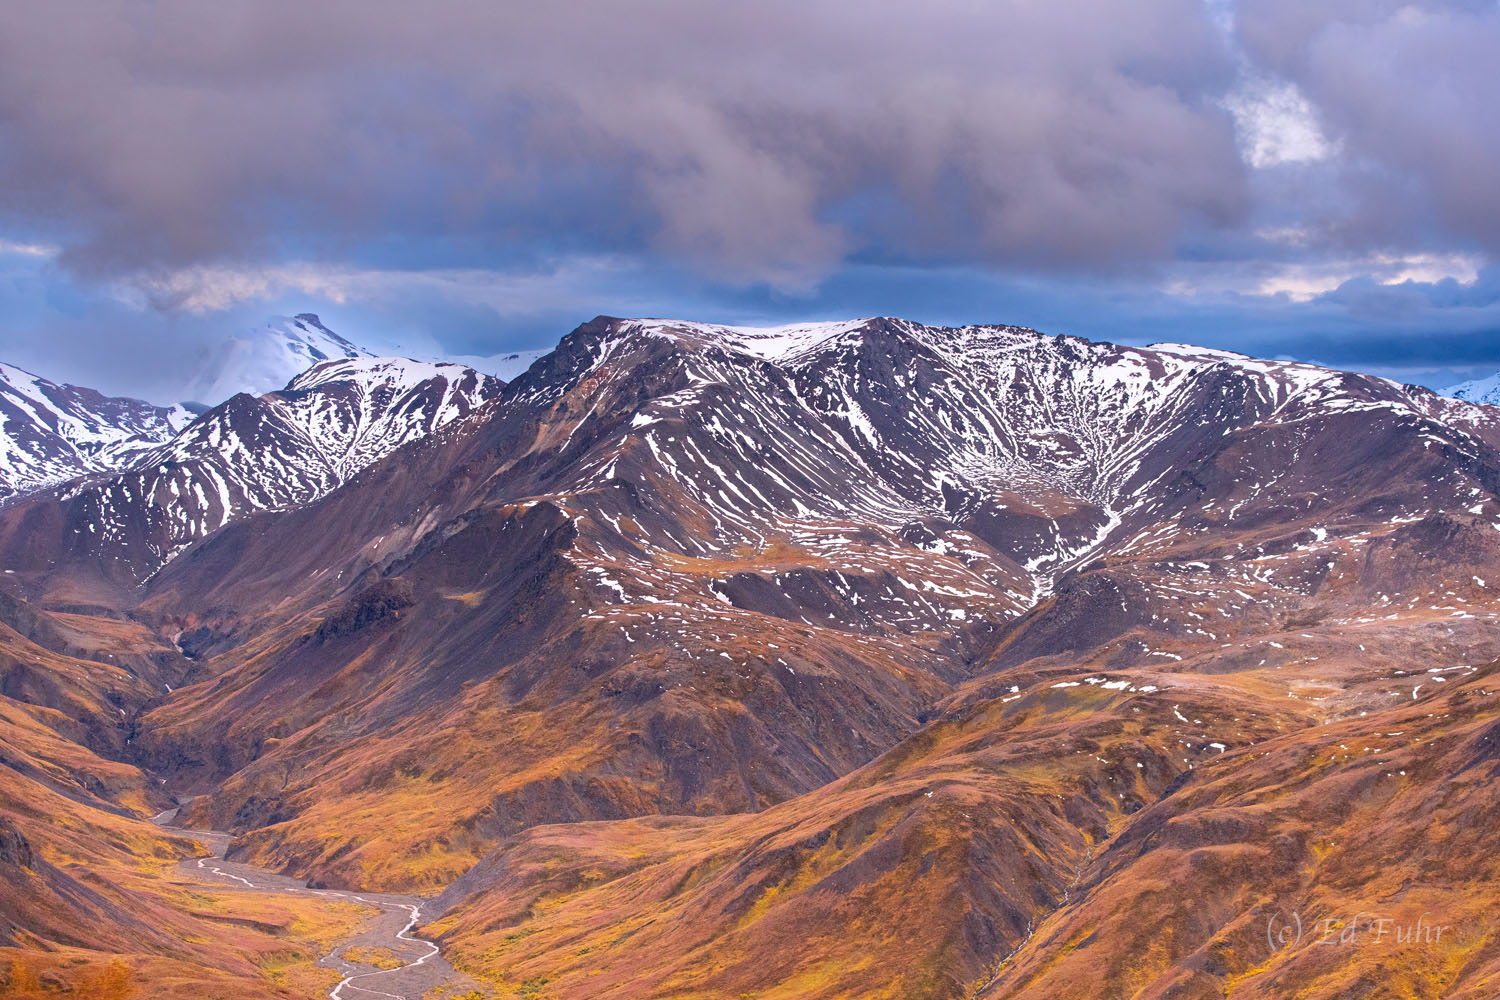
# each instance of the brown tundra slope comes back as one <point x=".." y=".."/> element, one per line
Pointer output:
<point x="859" y="659"/>
<point x="91" y="904"/>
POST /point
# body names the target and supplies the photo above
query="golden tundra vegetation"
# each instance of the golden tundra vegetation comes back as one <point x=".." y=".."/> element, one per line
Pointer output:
<point x="108" y="912"/>
<point x="94" y="902"/>
<point x="1078" y="800"/>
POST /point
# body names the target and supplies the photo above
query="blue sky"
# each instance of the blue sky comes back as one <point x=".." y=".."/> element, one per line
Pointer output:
<point x="1309" y="179"/>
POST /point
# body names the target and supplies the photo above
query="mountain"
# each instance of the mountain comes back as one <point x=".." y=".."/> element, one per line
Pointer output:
<point x="263" y="360"/>
<point x="831" y="660"/>
<point x="248" y="454"/>
<point x="50" y="433"/>
<point x="505" y="367"/>
<point x="1485" y="390"/>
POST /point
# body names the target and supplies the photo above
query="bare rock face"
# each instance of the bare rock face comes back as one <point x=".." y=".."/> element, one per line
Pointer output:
<point x="383" y="600"/>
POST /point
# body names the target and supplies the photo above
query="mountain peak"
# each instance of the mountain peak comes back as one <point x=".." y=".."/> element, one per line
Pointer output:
<point x="769" y="342"/>
<point x="1483" y="390"/>
<point x="267" y="358"/>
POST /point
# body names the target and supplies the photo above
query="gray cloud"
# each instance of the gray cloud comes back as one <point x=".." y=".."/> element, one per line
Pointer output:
<point x="757" y="142"/>
<point x="1407" y="90"/>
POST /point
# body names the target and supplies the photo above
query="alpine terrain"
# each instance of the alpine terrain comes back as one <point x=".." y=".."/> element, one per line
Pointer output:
<point x="1484" y="390"/>
<point x="52" y="433"/>
<point x="854" y="659"/>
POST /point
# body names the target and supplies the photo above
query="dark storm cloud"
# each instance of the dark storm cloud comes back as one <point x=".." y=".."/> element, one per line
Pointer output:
<point x="759" y="142"/>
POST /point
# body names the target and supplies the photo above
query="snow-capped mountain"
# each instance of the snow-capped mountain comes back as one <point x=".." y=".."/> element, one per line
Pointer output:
<point x="50" y="433"/>
<point x="722" y="567"/>
<point x="1483" y="390"/>
<point x="1031" y="454"/>
<point x="1036" y="452"/>
<point x="506" y="367"/>
<point x="275" y="451"/>
<point x="337" y="392"/>
<point x="265" y="359"/>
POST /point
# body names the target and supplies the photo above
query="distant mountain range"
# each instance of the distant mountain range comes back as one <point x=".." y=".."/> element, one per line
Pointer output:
<point x="329" y="405"/>
<point x="265" y="359"/>
<point x="51" y="433"/>
<point x="1485" y="390"/>
<point x="829" y="660"/>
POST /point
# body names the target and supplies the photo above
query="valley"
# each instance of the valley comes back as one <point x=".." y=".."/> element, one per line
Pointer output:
<point x="383" y="959"/>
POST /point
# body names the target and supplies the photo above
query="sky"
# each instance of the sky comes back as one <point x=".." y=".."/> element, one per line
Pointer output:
<point x="1309" y="179"/>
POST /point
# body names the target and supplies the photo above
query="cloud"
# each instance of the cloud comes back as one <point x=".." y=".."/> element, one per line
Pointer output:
<point x="1406" y="90"/>
<point x="1308" y="278"/>
<point x="1277" y="124"/>
<point x="739" y="139"/>
<point x="19" y="249"/>
<point x="215" y="288"/>
<point x="766" y="143"/>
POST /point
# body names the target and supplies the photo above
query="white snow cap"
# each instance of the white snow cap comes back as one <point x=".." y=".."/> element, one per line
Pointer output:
<point x="775" y="343"/>
<point x="266" y="359"/>
<point x="1483" y="390"/>
<point x="505" y="367"/>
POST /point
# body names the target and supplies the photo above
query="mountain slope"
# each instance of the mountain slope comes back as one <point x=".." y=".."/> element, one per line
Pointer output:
<point x="1485" y="390"/>
<point x="51" y="433"/>
<point x="248" y="454"/>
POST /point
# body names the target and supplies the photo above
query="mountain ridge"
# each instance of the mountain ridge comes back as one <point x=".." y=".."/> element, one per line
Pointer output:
<point x="267" y="358"/>
<point x="50" y="433"/>
<point x="53" y="434"/>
